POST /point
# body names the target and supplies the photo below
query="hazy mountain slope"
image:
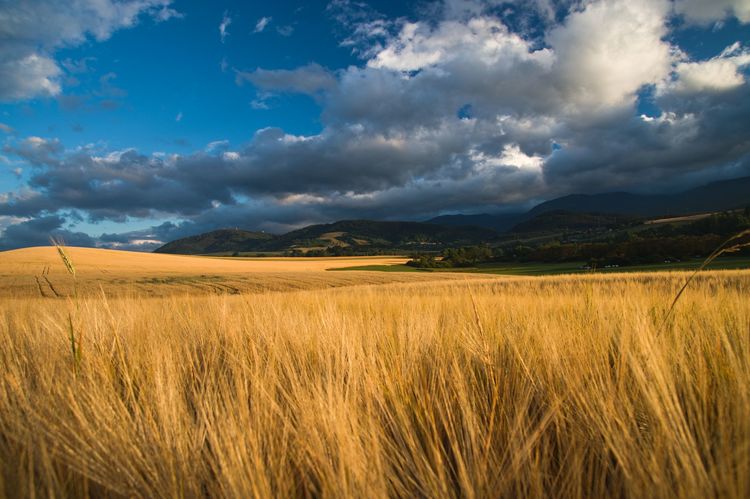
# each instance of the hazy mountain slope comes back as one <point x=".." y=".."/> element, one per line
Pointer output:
<point x="382" y="234"/>
<point x="565" y="220"/>
<point x="361" y="234"/>
<point x="574" y="212"/>
<point x="218" y="241"/>
<point x="716" y="196"/>
<point x="499" y="222"/>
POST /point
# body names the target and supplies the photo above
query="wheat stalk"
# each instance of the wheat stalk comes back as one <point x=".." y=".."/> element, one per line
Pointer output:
<point x="75" y="343"/>
<point x="60" y="246"/>
<point x="731" y="245"/>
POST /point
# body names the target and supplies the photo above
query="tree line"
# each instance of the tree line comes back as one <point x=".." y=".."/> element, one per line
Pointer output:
<point x="663" y="243"/>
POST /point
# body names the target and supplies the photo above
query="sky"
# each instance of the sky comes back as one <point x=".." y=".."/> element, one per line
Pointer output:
<point x="126" y="124"/>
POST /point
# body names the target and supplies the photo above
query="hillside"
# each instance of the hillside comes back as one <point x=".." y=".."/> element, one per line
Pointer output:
<point x="577" y="212"/>
<point x="217" y="241"/>
<point x="367" y="233"/>
<point x="713" y="197"/>
<point x="716" y="196"/>
<point x="345" y="236"/>
<point x="565" y="220"/>
<point x="499" y="222"/>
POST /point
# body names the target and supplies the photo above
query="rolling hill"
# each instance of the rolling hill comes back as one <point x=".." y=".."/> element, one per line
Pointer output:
<point x="716" y="196"/>
<point x="355" y="234"/>
<point x="565" y="220"/>
<point x="218" y="241"/>
<point x="500" y="222"/>
<point x="713" y="197"/>
<point x="573" y="212"/>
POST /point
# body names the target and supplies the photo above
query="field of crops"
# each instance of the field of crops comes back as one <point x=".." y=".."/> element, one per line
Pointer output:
<point x="39" y="272"/>
<point x="383" y="385"/>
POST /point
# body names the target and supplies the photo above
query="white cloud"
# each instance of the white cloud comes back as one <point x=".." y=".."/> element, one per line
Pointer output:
<point x="714" y="75"/>
<point x="166" y="13"/>
<point x="6" y="128"/>
<point x="596" y="61"/>
<point x="606" y="52"/>
<point x="27" y="77"/>
<point x="259" y="104"/>
<point x="708" y="11"/>
<point x="450" y="114"/>
<point x="286" y="30"/>
<point x="261" y="24"/>
<point x="510" y="156"/>
<point x="32" y="30"/>
<point x="486" y="40"/>
<point x="223" y="25"/>
<point x="217" y="145"/>
<point x="513" y="156"/>
<point x="178" y="118"/>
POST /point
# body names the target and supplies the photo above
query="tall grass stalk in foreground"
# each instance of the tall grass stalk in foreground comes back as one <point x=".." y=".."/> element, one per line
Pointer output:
<point x="75" y="342"/>
<point x="545" y="387"/>
<point x="731" y="245"/>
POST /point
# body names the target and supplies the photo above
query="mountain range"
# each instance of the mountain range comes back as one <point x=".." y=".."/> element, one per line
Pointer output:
<point x="353" y="234"/>
<point x="716" y="196"/>
<point x="573" y="212"/>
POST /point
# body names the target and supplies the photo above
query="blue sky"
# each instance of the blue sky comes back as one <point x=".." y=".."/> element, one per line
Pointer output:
<point x="128" y="123"/>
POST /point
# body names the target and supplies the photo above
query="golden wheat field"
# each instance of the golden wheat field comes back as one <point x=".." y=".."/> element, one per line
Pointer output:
<point x="38" y="272"/>
<point x="387" y="385"/>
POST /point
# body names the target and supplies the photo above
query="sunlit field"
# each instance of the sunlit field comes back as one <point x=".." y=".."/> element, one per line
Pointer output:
<point x="39" y="272"/>
<point x="357" y="384"/>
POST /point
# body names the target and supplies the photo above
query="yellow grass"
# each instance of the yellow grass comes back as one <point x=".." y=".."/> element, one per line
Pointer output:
<point x="39" y="272"/>
<point x="494" y="387"/>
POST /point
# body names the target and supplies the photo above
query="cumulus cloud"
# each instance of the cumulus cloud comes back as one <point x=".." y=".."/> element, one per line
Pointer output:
<point x="717" y="74"/>
<point x="36" y="150"/>
<point x="38" y="231"/>
<point x="607" y="51"/>
<point x="364" y="28"/>
<point x="461" y="112"/>
<point x="33" y="30"/>
<point x="708" y="11"/>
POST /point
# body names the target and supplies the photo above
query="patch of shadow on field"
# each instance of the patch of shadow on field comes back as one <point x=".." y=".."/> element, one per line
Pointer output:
<point x="204" y="283"/>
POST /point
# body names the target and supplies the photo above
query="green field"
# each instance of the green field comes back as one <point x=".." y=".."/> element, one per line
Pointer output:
<point x="537" y="268"/>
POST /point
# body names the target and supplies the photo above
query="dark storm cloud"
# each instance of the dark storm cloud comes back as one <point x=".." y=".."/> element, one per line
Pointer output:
<point x="114" y="187"/>
<point x="546" y="120"/>
<point x="693" y="139"/>
<point x="36" y="150"/>
<point x="37" y="232"/>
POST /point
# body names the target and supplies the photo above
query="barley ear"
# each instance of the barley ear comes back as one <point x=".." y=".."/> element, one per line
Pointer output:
<point x="731" y="245"/>
<point x="60" y="245"/>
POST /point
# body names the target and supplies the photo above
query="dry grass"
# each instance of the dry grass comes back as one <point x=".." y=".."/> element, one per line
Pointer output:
<point x="511" y="387"/>
<point x="39" y="272"/>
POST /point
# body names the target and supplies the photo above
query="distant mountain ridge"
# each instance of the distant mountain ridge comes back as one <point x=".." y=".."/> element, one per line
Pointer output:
<point x="574" y="212"/>
<point x="500" y="222"/>
<point x="567" y="220"/>
<point x="217" y="241"/>
<point x="716" y="196"/>
<point x="350" y="234"/>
